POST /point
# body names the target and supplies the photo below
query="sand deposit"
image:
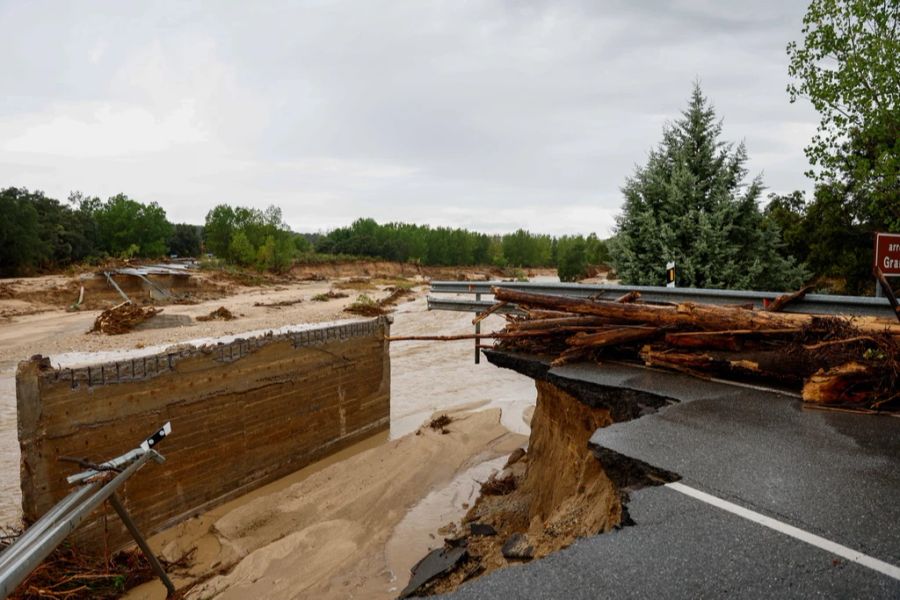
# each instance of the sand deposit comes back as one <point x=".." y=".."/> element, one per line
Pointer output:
<point x="320" y="515"/>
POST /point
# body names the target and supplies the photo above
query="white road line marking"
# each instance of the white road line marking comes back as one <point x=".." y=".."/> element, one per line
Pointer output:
<point x="804" y="536"/>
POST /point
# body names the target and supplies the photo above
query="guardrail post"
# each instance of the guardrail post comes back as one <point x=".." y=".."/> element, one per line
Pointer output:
<point x="477" y="339"/>
<point x="142" y="544"/>
<point x="24" y="555"/>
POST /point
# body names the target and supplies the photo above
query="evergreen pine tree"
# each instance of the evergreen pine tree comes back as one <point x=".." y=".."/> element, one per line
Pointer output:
<point x="690" y="203"/>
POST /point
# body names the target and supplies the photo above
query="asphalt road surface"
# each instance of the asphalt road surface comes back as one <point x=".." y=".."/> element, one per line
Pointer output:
<point x="773" y="500"/>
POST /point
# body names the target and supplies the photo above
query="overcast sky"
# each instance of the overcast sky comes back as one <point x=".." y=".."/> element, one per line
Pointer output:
<point x="487" y="115"/>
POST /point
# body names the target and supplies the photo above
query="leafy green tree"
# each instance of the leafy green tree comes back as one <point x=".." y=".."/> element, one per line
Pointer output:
<point x="572" y="260"/>
<point x="84" y="234"/>
<point x="54" y="227"/>
<point x="186" y="240"/>
<point x="847" y="66"/>
<point x="690" y="204"/>
<point x="249" y="236"/>
<point x="823" y="234"/>
<point x="219" y="229"/>
<point x="835" y="242"/>
<point x="240" y="250"/>
<point x="64" y="233"/>
<point x="525" y="249"/>
<point x="285" y="251"/>
<point x="596" y="250"/>
<point x="123" y="222"/>
<point x="446" y="246"/>
<point x="265" y="255"/>
<point x="21" y="246"/>
<point x="788" y="213"/>
<point x="276" y="254"/>
<point x="301" y="244"/>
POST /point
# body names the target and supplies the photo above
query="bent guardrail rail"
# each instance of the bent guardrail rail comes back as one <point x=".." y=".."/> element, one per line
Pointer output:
<point x="48" y="532"/>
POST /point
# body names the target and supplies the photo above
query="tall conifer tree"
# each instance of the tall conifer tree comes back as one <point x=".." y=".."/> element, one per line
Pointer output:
<point x="690" y="203"/>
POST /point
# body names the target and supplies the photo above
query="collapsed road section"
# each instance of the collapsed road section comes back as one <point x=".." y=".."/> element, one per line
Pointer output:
<point x="553" y="494"/>
<point x="248" y="411"/>
<point x="675" y="452"/>
<point x="770" y="499"/>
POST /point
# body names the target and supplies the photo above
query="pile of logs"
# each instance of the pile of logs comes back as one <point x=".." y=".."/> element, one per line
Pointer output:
<point x="122" y="318"/>
<point x="835" y="361"/>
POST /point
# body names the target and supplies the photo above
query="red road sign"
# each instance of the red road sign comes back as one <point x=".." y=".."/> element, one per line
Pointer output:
<point x="887" y="253"/>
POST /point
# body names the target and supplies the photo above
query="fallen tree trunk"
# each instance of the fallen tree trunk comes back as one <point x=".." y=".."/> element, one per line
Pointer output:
<point x="774" y="365"/>
<point x="546" y="314"/>
<point x="553" y="323"/>
<point x="781" y="301"/>
<point x="632" y="296"/>
<point x="701" y="316"/>
<point x="611" y="337"/>
<point x="570" y="355"/>
<point x="488" y="312"/>
<point x="850" y="383"/>
<point x="724" y="340"/>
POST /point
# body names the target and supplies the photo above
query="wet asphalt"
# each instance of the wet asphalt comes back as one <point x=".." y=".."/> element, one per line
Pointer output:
<point x="835" y="475"/>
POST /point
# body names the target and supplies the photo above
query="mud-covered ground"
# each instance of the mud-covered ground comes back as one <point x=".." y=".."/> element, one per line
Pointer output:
<point x="426" y="377"/>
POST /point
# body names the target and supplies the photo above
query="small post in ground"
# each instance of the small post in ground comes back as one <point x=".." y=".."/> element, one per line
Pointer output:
<point x="142" y="544"/>
<point x="888" y="291"/>
<point x="477" y="339"/>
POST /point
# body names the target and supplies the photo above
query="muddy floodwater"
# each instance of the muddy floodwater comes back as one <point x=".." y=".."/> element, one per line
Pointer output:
<point x="426" y="376"/>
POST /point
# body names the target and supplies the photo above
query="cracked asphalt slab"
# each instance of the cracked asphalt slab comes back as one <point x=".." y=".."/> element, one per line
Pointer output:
<point x="681" y="548"/>
<point x="834" y="475"/>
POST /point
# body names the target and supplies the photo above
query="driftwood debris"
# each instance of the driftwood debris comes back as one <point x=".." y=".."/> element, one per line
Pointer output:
<point x="631" y="296"/>
<point x="122" y="318"/>
<point x="834" y="361"/>
<point x="707" y="317"/>
<point x="220" y="314"/>
<point x="488" y="312"/>
<point x="781" y="301"/>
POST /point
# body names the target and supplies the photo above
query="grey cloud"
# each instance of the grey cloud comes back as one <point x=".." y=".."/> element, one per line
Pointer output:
<point x="426" y="111"/>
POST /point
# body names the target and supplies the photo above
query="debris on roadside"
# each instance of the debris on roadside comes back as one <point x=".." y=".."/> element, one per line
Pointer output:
<point x="396" y="293"/>
<point x="70" y="574"/>
<point x="516" y="455"/>
<point x="329" y="295"/>
<point x="436" y="563"/>
<point x="833" y="361"/>
<point x="498" y="486"/>
<point x="482" y="530"/>
<point x="122" y="318"/>
<point x="365" y="306"/>
<point x="220" y="314"/>
<point x="280" y="303"/>
<point x="440" y="423"/>
<point x="517" y="547"/>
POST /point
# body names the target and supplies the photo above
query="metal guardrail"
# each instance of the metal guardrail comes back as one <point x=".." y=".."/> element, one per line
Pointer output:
<point x="48" y="532"/>
<point x="812" y="303"/>
<point x="464" y="305"/>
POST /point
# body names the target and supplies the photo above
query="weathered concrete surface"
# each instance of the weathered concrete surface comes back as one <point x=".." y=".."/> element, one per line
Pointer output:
<point x="834" y="475"/>
<point x="242" y="413"/>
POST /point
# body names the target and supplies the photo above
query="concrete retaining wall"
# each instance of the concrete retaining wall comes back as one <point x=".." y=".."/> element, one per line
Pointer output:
<point x="243" y="414"/>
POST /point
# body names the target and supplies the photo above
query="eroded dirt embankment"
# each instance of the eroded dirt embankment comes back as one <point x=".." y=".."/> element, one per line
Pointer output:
<point x="383" y="268"/>
<point x="560" y="490"/>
